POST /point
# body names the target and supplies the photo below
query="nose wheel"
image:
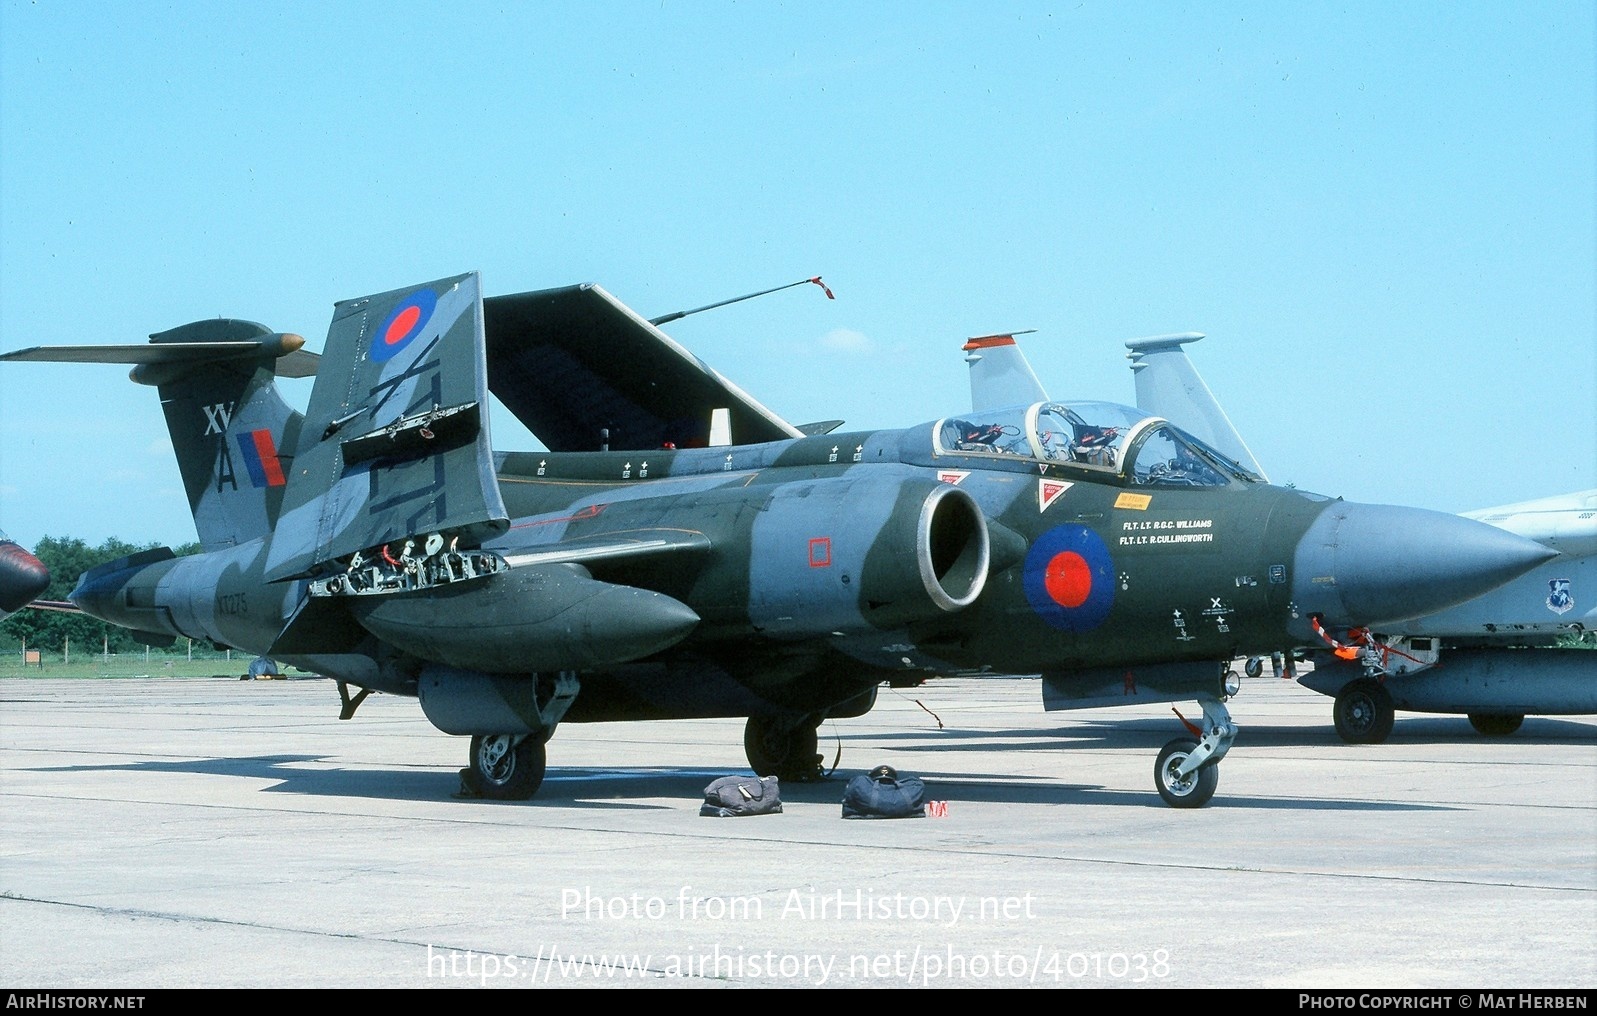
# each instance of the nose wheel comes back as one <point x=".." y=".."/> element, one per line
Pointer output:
<point x="1363" y="713"/>
<point x="1191" y="789"/>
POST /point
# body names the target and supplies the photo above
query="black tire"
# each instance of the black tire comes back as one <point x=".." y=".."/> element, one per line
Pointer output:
<point x="1191" y="791"/>
<point x="778" y="749"/>
<point x="1363" y="712"/>
<point x="501" y="771"/>
<point x="1254" y="667"/>
<point x="1496" y="724"/>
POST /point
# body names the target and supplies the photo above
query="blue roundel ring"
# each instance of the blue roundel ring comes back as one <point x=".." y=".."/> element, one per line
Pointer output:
<point x="1069" y="579"/>
<point x="403" y="324"/>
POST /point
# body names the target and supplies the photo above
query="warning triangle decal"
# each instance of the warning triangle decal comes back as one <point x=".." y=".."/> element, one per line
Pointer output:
<point x="1048" y="492"/>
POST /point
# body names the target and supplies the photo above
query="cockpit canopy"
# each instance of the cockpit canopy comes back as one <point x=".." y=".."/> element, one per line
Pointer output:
<point x="1100" y="436"/>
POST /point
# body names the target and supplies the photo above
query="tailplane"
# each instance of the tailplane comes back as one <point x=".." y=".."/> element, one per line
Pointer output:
<point x="230" y="428"/>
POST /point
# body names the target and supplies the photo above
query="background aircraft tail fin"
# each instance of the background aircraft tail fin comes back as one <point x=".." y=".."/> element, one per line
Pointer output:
<point x="229" y="426"/>
<point x="1168" y="385"/>
<point x="1000" y="374"/>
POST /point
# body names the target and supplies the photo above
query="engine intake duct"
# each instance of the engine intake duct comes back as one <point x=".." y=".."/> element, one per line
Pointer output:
<point x="847" y="555"/>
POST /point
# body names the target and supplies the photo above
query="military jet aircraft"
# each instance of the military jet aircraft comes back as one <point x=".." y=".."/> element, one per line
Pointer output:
<point x="1489" y="658"/>
<point x="22" y="577"/>
<point x="379" y="539"/>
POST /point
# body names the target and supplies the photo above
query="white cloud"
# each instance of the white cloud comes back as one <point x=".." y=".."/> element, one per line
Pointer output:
<point x="846" y="340"/>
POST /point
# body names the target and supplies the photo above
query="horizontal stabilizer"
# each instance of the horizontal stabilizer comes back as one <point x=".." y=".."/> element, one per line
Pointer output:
<point x="292" y="360"/>
<point x="231" y="431"/>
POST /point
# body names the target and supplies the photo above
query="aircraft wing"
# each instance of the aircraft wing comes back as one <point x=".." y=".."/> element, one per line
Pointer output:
<point x="1565" y="522"/>
<point x="1168" y="385"/>
<point x="574" y="363"/>
<point x="395" y="441"/>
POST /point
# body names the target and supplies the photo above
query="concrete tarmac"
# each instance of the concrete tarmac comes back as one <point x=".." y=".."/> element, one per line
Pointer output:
<point x="217" y="833"/>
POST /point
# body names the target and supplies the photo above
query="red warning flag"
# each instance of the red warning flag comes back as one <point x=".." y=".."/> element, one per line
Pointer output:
<point x="828" y="292"/>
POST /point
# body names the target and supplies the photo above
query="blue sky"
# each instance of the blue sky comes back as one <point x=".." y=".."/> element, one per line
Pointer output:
<point x="1383" y="215"/>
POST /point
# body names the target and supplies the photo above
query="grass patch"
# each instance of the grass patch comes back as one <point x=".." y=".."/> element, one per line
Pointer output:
<point x="128" y="666"/>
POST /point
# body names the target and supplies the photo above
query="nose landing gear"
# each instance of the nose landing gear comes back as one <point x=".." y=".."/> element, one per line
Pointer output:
<point x="1187" y="771"/>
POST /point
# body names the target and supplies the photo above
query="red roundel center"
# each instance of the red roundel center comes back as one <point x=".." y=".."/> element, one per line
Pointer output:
<point x="402" y="325"/>
<point x="1068" y="579"/>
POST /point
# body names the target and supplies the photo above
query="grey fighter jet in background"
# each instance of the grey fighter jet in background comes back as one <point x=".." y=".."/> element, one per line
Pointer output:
<point x="378" y="538"/>
<point x="1492" y="658"/>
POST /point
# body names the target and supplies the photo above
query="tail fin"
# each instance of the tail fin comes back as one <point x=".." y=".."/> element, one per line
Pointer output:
<point x="1168" y="385"/>
<point x="228" y="423"/>
<point x="1000" y="375"/>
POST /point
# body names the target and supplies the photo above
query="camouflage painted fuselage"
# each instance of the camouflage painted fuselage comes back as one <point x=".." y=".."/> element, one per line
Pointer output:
<point x="806" y="571"/>
<point x="817" y="568"/>
<point x="379" y="539"/>
<point x="811" y="587"/>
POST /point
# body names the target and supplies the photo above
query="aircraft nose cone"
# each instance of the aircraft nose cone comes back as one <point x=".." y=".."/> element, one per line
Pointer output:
<point x="1370" y="564"/>
<point x="22" y="577"/>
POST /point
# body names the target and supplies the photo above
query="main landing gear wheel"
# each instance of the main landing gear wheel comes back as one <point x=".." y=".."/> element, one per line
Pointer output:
<point x="1363" y="712"/>
<point x="1496" y="724"/>
<point x="505" y="769"/>
<point x="1192" y="790"/>
<point x="783" y="750"/>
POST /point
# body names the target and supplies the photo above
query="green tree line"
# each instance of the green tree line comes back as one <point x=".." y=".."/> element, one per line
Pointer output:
<point x="48" y="630"/>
